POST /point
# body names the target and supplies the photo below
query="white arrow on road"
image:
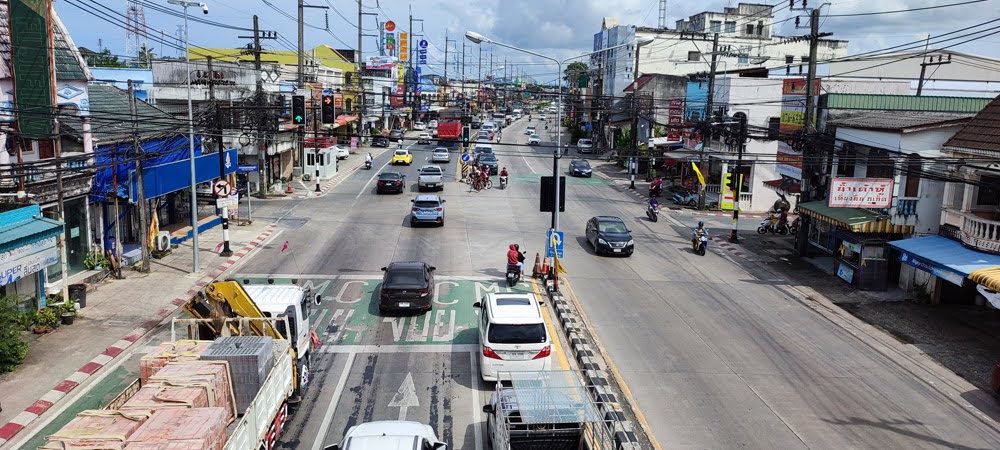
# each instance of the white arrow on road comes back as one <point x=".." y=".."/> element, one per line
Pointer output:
<point x="405" y="397"/>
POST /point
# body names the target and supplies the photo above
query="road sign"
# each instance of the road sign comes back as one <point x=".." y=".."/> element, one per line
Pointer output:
<point x="466" y="158"/>
<point x="390" y="25"/>
<point x="556" y="239"/>
<point x="246" y="168"/>
<point x="221" y="188"/>
<point x="232" y="201"/>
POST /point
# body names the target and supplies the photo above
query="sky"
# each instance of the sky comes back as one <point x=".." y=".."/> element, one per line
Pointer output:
<point x="556" y="28"/>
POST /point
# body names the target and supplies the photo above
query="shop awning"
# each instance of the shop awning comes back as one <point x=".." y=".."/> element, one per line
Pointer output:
<point x="682" y="156"/>
<point x="345" y="119"/>
<point x="950" y="260"/>
<point x="785" y="185"/>
<point x="25" y="226"/>
<point x="854" y="219"/>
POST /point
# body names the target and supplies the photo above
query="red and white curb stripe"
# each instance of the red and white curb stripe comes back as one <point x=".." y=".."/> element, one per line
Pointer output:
<point x="40" y="406"/>
<point x="325" y="187"/>
<point x="623" y="184"/>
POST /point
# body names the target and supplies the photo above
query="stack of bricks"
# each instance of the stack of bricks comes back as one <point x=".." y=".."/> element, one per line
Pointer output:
<point x="212" y="374"/>
<point x="97" y="429"/>
<point x="185" y="350"/>
<point x="182" y="429"/>
<point x="250" y="359"/>
<point x="171" y="394"/>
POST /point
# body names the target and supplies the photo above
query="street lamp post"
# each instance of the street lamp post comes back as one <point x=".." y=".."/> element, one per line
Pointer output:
<point x="194" y="180"/>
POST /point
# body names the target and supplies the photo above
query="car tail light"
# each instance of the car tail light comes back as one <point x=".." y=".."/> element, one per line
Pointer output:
<point x="489" y="353"/>
<point x="544" y="353"/>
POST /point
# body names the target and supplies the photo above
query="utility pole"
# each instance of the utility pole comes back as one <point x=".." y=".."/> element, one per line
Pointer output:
<point x="226" y="251"/>
<point x="139" y="155"/>
<point x="258" y="94"/>
<point x="735" y="180"/>
<point x="300" y="83"/>
<point x="807" y="150"/>
<point x="707" y="139"/>
<point x="923" y="70"/>
<point x="316" y="159"/>
<point x="445" y="88"/>
<point x="63" y="257"/>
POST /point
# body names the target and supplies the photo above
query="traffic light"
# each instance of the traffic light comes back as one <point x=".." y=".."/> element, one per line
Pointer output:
<point x="466" y="133"/>
<point x="298" y="110"/>
<point x="329" y="115"/>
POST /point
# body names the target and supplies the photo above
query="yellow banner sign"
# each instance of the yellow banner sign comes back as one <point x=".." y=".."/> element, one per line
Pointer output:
<point x="404" y="47"/>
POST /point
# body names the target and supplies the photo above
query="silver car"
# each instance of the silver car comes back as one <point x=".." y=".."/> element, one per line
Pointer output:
<point x="441" y="155"/>
<point x="534" y="139"/>
<point x="584" y="146"/>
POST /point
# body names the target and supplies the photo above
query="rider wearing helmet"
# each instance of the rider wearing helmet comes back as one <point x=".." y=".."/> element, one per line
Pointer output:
<point x="698" y="232"/>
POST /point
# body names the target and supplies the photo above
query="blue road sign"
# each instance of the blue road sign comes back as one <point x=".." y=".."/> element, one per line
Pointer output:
<point x="244" y="168"/>
<point x="466" y="158"/>
<point x="557" y="240"/>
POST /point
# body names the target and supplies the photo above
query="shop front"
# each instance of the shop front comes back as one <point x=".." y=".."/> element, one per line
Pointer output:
<point x="29" y="243"/>
<point x="963" y="269"/>
<point x="858" y="241"/>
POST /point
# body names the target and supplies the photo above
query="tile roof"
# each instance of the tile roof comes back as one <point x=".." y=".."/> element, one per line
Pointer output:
<point x="896" y="120"/>
<point x="982" y="133"/>
<point x="109" y="117"/>
<point x="70" y="64"/>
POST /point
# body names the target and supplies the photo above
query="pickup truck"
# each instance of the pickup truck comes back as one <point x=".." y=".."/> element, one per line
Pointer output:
<point x="430" y="177"/>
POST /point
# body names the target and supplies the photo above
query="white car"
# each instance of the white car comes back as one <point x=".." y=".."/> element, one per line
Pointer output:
<point x="441" y="154"/>
<point x="432" y="124"/>
<point x="585" y="146"/>
<point x="419" y="126"/>
<point x="424" y="138"/>
<point x="341" y="152"/>
<point x="512" y="335"/>
<point x="390" y="434"/>
<point x="530" y="130"/>
<point x="542" y="117"/>
<point x="534" y="139"/>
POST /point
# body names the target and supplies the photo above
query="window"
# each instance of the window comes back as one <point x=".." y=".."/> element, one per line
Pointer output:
<point x="760" y="28"/>
<point x="749" y="29"/>
<point x="805" y="59"/>
<point x="789" y="59"/>
<point x="730" y="27"/>
<point x="310" y="159"/>
<point x="694" y="56"/>
<point x="913" y="168"/>
<point x="532" y="333"/>
<point x="989" y="191"/>
<point x="880" y="165"/>
<point x="715" y="26"/>
<point x="743" y="59"/>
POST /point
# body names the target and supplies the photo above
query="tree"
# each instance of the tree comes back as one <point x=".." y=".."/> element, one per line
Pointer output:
<point x="102" y="59"/>
<point x="145" y="56"/>
<point x="13" y="349"/>
<point x="573" y="72"/>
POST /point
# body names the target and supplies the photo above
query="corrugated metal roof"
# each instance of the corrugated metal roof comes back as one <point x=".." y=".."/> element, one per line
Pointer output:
<point x="25" y="225"/>
<point x="970" y="105"/>
<point x="896" y="120"/>
<point x="109" y="117"/>
<point x="4" y="41"/>
<point x="982" y="133"/>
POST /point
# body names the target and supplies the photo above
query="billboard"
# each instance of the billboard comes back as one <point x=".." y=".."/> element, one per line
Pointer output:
<point x="32" y="63"/>
<point x="789" y="161"/>
<point x="380" y="62"/>
<point x="793" y="104"/>
<point x="861" y="193"/>
<point x="404" y="47"/>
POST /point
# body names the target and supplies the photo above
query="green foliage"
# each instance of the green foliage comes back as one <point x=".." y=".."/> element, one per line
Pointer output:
<point x="145" y="55"/>
<point x="104" y="58"/>
<point x="13" y="349"/>
<point x="624" y="139"/>
<point x="47" y="317"/>
<point x="95" y="259"/>
<point x="574" y="71"/>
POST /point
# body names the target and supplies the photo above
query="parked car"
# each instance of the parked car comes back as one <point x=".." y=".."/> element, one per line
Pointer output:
<point x="406" y="286"/>
<point x="512" y="335"/>
<point x="424" y="138"/>
<point x="402" y="156"/>
<point x="430" y="177"/>
<point x="441" y="154"/>
<point x="427" y="209"/>
<point x="396" y="135"/>
<point x="432" y="124"/>
<point x="380" y="141"/>
<point x="341" y="152"/>
<point x="608" y="234"/>
<point x="419" y="126"/>
<point x="580" y="168"/>
<point x="585" y="146"/>
<point x="390" y="182"/>
<point x="390" y="434"/>
<point x="534" y="139"/>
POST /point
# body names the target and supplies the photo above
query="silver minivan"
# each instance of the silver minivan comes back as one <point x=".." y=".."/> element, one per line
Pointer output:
<point x="512" y="335"/>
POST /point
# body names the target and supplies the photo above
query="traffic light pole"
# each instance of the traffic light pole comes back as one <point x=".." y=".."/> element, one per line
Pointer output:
<point x="316" y="160"/>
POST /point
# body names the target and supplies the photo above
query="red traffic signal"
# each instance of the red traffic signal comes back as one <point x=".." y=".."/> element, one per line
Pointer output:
<point x="329" y="112"/>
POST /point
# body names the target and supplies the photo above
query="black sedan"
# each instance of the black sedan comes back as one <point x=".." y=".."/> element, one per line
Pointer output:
<point x="380" y="141"/>
<point x="406" y="286"/>
<point x="390" y="182"/>
<point x="580" y="168"/>
<point x="396" y="135"/>
<point x="608" y="234"/>
<point x="488" y="160"/>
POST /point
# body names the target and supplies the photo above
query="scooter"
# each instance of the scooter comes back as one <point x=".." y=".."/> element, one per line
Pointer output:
<point x="513" y="275"/>
<point x="652" y="211"/>
<point x="794" y="227"/>
<point x="699" y="244"/>
<point x="771" y="225"/>
<point x="368" y="165"/>
<point x="686" y="198"/>
<point x="655" y="190"/>
<point x="503" y="182"/>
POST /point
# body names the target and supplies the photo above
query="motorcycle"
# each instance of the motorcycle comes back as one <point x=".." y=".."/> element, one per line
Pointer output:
<point x="699" y="244"/>
<point x="655" y="190"/>
<point x="503" y="182"/>
<point x="686" y="198"/>
<point x="772" y="224"/>
<point x="368" y="165"/>
<point x="794" y="227"/>
<point x="652" y="211"/>
<point x="513" y="275"/>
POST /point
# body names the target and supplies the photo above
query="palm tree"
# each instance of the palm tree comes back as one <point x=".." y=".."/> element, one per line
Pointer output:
<point x="145" y="56"/>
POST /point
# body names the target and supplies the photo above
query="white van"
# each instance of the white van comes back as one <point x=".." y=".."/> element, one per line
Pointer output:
<point x="513" y="335"/>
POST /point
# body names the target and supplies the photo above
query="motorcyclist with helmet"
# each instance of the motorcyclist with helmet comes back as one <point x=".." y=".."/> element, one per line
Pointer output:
<point x="698" y="233"/>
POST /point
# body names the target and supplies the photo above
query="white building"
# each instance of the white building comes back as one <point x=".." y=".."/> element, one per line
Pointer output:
<point x="746" y="43"/>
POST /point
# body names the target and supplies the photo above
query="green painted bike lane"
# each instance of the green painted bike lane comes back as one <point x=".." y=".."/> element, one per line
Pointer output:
<point x="570" y="180"/>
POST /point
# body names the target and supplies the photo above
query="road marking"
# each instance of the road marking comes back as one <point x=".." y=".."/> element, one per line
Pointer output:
<point x="477" y="409"/>
<point x="324" y="427"/>
<point x="429" y="348"/>
<point x="611" y="365"/>
<point x="552" y="331"/>
<point x="406" y="396"/>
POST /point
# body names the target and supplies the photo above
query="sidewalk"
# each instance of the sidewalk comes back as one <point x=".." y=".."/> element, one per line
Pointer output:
<point x="307" y="189"/>
<point x="118" y="313"/>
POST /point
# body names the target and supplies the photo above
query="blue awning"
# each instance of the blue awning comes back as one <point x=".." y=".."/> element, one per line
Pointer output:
<point x="25" y="226"/>
<point x="943" y="257"/>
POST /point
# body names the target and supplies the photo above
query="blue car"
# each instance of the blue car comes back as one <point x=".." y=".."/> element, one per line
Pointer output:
<point x="580" y="168"/>
<point x="427" y="209"/>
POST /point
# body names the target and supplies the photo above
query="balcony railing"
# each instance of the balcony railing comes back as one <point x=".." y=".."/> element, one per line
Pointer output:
<point x="974" y="231"/>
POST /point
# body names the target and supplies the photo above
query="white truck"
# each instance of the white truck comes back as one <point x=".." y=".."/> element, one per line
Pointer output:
<point x="430" y="177"/>
<point x="279" y="318"/>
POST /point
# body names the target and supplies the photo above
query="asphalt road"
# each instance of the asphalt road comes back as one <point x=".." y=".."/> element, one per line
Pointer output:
<point x="713" y="355"/>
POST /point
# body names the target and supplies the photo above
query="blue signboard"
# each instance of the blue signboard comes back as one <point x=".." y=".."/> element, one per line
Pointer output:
<point x="246" y="168"/>
<point x="557" y="240"/>
<point x="174" y="176"/>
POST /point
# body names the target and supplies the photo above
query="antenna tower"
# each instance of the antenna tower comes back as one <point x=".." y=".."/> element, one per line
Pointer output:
<point x="662" y="24"/>
<point x="135" y="29"/>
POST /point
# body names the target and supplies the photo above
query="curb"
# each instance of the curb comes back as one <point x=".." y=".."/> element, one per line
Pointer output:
<point x="623" y="185"/>
<point x="57" y="393"/>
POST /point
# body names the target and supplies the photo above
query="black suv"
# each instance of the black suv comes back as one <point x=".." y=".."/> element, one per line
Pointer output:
<point x="406" y="286"/>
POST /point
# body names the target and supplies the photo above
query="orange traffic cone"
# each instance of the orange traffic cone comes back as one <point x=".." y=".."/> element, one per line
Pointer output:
<point x="536" y="272"/>
<point x="545" y="267"/>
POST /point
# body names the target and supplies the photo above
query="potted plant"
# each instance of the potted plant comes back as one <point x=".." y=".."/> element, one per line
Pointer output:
<point x="95" y="261"/>
<point x="67" y="312"/>
<point x="45" y="320"/>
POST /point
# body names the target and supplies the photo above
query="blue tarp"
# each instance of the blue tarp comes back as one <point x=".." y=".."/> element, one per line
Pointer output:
<point x="943" y="257"/>
<point x="173" y="176"/>
<point x="158" y="151"/>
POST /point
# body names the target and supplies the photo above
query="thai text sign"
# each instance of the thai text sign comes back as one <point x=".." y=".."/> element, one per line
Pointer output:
<point x="793" y="104"/>
<point x="789" y="161"/>
<point x="15" y="269"/>
<point x="31" y="61"/>
<point x="861" y="193"/>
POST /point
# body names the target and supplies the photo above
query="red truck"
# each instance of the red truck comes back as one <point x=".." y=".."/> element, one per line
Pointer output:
<point x="450" y="130"/>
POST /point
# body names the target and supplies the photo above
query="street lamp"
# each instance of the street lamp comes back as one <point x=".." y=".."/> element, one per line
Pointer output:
<point x="194" y="180"/>
<point x="477" y="38"/>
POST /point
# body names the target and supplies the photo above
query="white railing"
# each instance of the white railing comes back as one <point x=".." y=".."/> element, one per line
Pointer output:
<point x="975" y="231"/>
<point x="745" y="198"/>
<point x="713" y="188"/>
